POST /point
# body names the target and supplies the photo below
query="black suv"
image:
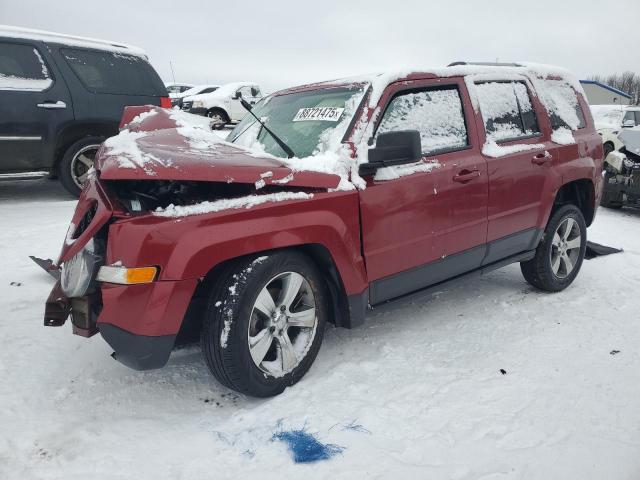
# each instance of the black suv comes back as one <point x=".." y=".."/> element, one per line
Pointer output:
<point x="62" y="96"/>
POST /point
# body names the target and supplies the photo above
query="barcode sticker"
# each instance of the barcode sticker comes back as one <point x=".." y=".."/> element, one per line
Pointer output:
<point x="327" y="114"/>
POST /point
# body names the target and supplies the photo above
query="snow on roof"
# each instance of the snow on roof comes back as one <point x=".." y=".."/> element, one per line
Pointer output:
<point x="70" y="40"/>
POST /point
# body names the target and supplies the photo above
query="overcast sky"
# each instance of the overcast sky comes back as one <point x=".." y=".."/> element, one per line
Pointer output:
<point x="288" y="42"/>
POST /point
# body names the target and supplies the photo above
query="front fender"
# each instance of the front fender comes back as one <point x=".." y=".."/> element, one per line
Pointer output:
<point x="189" y="247"/>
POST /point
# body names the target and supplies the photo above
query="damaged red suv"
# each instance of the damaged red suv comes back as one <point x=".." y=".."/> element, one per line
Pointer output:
<point x="325" y="201"/>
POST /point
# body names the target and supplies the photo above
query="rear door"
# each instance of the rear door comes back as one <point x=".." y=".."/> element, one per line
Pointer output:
<point x="414" y="217"/>
<point x="34" y="102"/>
<point x="520" y="157"/>
<point x="104" y="82"/>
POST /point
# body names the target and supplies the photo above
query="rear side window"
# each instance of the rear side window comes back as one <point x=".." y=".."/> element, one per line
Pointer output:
<point x="22" y="68"/>
<point x="435" y="112"/>
<point x="507" y="110"/>
<point x="563" y="105"/>
<point x="115" y="73"/>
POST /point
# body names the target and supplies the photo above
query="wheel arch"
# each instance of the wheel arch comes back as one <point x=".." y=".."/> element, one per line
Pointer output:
<point x="339" y="307"/>
<point x="580" y="193"/>
<point x="76" y="131"/>
<point x="219" y="109"/>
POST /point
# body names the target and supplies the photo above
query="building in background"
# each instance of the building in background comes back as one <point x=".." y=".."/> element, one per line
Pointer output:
<point x="602" y="94"/>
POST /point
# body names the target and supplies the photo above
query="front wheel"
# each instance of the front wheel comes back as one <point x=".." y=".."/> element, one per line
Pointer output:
<point x="265" y="322"/>
<point x="74" y="167"/>
<point x="560" y="253"/>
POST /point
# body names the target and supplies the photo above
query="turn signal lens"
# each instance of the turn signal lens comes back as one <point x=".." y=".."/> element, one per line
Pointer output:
<point x="127" y="276"/>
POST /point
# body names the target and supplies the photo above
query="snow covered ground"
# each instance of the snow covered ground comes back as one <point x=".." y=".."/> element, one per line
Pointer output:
<point x="416" y="393"/>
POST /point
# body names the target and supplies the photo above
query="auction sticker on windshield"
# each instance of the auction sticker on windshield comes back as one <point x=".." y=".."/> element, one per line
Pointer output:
<point x="327" y="114"/>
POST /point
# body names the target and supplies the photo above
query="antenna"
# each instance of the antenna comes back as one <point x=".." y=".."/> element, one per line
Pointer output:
<point x="172" y="72"/>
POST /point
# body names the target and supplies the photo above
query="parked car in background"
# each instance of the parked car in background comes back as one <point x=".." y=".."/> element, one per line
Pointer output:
<point x="223" y="106"/>
<point x="610" y="120"/>
<point x="61" y="96"/>
<point x="177" y="88"/>
<point x="176" y="99"/>
<point x="335" y="197"/>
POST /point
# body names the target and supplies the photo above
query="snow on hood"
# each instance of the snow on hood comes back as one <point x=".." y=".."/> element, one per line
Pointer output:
<point x="172" y="145"/>
<point x="631" y="139"/>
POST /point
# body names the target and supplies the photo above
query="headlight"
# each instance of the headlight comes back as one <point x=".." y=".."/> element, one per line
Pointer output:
<point x="198" y="104"/>
<point x="126" y="276"/>
<point x="79" y="272"/>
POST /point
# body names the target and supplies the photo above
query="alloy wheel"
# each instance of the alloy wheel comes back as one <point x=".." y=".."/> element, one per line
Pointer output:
<point x="565" y="247"/>
<point x="81" y="164"/>
<point x="283" y="324"/>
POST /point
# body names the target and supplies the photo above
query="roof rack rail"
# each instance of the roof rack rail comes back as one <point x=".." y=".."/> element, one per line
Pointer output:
<point x="485" y="64"/>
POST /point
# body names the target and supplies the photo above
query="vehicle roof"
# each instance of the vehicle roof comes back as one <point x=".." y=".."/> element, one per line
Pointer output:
<point x="479" y="72"/>
<point x="225" y="89"/>
<point x="9" y="31"/>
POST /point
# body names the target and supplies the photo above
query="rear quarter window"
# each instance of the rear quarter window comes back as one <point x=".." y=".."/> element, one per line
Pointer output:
<point x="113" y="72"/>
<point x="562" y="104"/>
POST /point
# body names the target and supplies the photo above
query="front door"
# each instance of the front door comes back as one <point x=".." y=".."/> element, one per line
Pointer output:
<point x="416" y="218"/>
<point x="33" y="102"/>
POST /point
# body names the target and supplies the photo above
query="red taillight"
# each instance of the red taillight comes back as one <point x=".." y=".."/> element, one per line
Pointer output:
<point x="165" y="102"/>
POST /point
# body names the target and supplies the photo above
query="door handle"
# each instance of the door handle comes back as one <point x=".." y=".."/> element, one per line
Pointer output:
<point x="53" y="105"/>
<point x="466" y="175"/>
<point x="542" y="158"/>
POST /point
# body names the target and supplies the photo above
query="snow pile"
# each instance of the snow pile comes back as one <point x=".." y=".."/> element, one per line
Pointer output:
<point x="229" y="203"/>
<point x="9" y="82"/>
<point x="397" y="171"/>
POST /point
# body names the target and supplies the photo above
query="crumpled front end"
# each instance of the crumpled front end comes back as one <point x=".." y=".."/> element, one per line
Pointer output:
<point x="136" y="313"/>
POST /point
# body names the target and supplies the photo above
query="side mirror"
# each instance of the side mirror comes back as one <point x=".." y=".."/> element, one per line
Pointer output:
<point x="237" y="95"/>
<point x="628" y="124"/>
<point x="393" y="148"/>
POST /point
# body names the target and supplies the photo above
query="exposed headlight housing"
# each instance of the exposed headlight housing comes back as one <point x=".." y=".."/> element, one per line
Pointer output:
<point x="197" y="104"/>
<point x="126" y="276"/>
<point x="78" y="273"/>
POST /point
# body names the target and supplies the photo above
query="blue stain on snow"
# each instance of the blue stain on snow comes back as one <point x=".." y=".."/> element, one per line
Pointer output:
<point x="305" y="447"/>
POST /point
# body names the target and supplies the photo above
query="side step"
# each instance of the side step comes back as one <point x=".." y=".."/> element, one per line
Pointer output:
<point x="23" y="176"/>
<point x="428" y="291"/>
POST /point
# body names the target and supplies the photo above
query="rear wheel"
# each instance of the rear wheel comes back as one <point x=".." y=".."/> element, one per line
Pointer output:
<point x="74" y="167"/>
<point x="264" y="323"/>
<point x="219" y="117"/>
<point x="560" y="253"/>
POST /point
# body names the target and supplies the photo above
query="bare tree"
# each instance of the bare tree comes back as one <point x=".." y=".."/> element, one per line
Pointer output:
<point x="628" y="82"/>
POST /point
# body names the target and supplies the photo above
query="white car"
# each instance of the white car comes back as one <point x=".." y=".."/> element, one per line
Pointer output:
<point x="610" y="120"/>
<point x="176" y="99"/>
<point x="177" y="88"/>
<point x="223" y="105"/>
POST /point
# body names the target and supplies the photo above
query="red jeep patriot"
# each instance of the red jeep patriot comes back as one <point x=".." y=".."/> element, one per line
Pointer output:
<point x="324" y="201"/>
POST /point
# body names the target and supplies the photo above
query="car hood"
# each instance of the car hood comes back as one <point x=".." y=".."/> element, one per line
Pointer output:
<point x="160" y="145"/>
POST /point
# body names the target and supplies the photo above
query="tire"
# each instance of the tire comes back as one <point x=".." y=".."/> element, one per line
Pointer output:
<point x="541" y="271"/>
<point x="234" y="320"/>
<point x="608" y="148"/>
<point x="76" y="162"/>
<point x="218" y="116"/>
<point x="611" y="200"/>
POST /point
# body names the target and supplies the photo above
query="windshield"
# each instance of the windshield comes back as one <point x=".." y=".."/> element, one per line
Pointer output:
<point x="308" y="122"/>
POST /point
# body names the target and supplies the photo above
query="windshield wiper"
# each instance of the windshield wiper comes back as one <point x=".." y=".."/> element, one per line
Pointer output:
<point x="281" y="143"/>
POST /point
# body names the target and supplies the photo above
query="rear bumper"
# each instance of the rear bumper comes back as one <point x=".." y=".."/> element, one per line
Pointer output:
<point x="139" y="352"/>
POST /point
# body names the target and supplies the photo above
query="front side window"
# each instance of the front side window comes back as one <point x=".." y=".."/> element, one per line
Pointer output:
<point x="113" y="72"/>
<point x="436" y="113"/>
<point x="507" y="110"/>
<point x="22" y="68"/>
<point x="309" y="122"/>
